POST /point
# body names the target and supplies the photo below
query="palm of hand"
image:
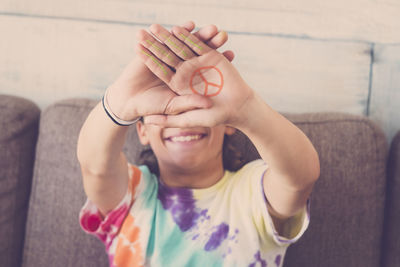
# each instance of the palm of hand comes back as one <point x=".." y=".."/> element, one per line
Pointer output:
<point x="196" y="65"/>
<point x="224" y="85"/>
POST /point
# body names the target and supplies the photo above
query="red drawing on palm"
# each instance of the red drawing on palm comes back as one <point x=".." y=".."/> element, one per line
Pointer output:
<point x="207" y="81"/>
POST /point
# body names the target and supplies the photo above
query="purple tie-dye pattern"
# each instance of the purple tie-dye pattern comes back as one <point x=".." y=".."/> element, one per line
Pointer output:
<point x="258" y="259"/>
<point x="278" y="260"/>
<point x="181" y="204"/>
<point x="217" y="237"/>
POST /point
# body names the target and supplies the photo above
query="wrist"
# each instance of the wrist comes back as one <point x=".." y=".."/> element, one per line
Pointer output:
<point x="251" y="113"/>
<point x="115" y="105"/>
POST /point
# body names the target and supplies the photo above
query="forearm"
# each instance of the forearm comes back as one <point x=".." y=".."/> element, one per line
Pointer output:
<point x="285" y="148"/>
<point x="100" y="143"/>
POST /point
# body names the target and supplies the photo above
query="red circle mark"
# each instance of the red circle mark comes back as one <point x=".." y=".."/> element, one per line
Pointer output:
<point x="207" y="83"/>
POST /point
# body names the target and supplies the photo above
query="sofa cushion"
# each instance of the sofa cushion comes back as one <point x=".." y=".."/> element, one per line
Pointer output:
<point x="346" y="206"/>
<point x="19" y="124"/>
<point x="347" y="203"/>
<point x="391" y="242"/>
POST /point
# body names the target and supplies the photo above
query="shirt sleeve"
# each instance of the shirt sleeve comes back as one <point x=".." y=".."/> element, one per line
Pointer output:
<point x="106" y="228"/>
<point x="293" y="229"/>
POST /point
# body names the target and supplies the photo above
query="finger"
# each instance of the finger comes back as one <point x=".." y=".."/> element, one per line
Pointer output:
<point x="189" y="25"/>
<point x="178" y="47"/>
<point x="210" y="35"/>
<point x="179" y="104"/>
<point x="159" y="68"/>
<point x="193" y="118"/>
<point x="206" y="33"/>
<point x="229" y="55"/>
<point x="158" y="49"/>
<point x="214" y="39"/>
<point x="218" y="40"/>
<point x="190" y="40"/>
<point x="154" y="119"/>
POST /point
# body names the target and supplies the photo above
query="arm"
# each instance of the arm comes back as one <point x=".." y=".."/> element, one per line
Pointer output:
<point x="103" y="164"/>
<point x="292" y="159"/>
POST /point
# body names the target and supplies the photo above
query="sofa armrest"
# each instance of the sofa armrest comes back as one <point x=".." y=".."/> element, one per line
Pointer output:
<point x="19" y="121"/>
<point x="391" y="240"/>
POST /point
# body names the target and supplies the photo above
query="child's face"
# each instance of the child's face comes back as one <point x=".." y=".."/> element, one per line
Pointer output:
<point x="184" y="147"/>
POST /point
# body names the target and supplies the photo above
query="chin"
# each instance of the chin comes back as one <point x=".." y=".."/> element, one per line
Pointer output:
<point x="186" y="163"/>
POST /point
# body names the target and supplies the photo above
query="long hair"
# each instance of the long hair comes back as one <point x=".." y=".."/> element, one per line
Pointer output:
<point x="231" y="157"/>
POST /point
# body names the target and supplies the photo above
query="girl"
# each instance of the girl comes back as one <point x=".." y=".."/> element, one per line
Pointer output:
<point x="191" y="210"/>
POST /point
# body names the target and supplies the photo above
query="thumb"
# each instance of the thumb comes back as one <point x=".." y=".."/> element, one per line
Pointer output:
<point x="193" y="118"/>
<point x="229" y="55"/>
<point x="182" y="103"/>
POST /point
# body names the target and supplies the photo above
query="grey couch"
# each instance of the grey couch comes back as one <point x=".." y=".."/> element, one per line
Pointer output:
<point x="355" y="206"/>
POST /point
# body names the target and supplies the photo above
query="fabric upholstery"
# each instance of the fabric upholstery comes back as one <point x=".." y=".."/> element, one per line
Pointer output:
<point x="346" y="206"/>
<point x="391" y="243"/>
<point x="53" y="234"/>
<point x="19" y="123"/>
<point x="347" y="203"/>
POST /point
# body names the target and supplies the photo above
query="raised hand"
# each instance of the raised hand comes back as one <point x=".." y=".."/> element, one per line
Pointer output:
<point x="190" y="67"/>
<point x="138" y="92"/>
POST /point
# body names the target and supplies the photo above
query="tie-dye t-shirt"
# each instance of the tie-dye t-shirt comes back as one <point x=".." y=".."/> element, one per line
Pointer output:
<point x="227" y="224"/>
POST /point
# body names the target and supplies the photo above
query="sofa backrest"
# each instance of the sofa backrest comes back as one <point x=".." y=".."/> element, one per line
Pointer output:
<point x="391" y="242"/>
<point x="347" y="205"/>
<point x="53" y="234"/>
<point x="19" y="124"/>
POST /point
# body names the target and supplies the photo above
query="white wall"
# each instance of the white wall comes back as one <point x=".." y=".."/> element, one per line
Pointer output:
<point x="300" y="56"/>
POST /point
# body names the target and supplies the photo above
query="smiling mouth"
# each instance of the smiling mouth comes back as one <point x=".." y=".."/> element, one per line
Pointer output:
<point x="186" y="139"/>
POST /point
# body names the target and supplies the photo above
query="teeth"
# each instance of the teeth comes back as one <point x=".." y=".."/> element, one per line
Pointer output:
<point x="185" y="138"/>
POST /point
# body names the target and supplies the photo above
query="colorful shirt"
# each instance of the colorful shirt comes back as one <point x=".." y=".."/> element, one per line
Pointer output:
<point x="227" y="224"/>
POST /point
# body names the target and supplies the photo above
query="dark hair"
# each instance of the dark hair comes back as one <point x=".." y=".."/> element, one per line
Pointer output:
<point x="231" y="157"/>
